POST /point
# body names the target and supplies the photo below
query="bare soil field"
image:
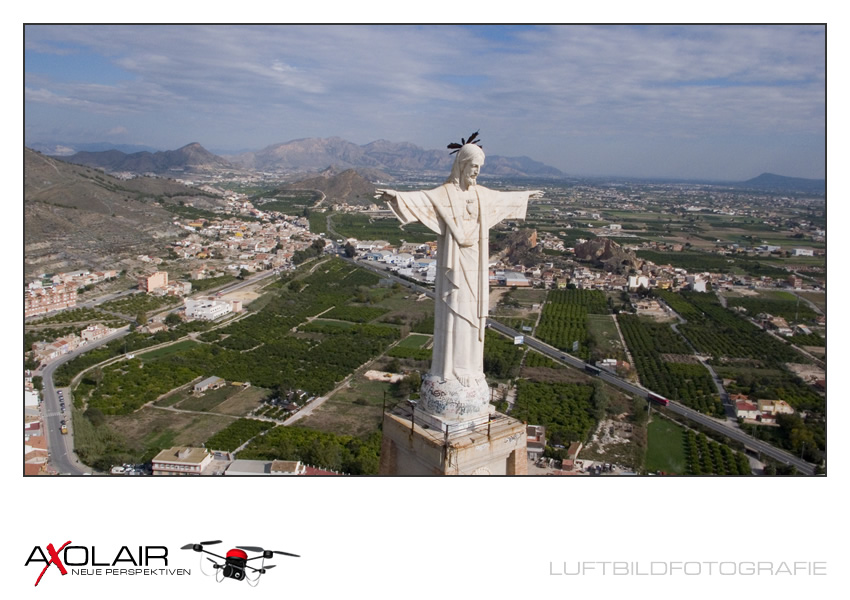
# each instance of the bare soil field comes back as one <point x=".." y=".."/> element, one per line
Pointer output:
<point x="613" y="442"/>
<point x="688" y="359"/>
<point x="150" y="426"/>
<point x="353" y="410"/>
<point x="242" y="402"/>
<point x="246" y="295"/>
<point x="807" y="373"/>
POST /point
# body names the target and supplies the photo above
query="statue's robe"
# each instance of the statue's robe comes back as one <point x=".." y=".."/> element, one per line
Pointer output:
<point x="462" y="282"/>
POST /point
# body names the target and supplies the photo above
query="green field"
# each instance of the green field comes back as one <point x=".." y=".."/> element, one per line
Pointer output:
<point x="364" y="227"/>
<point x="666" y="450"/>
<point x="292" y="203"/>
<point x="603" y="330"/>
<point x="208" y="400"/>
<point x="817" y="298"/>
<point x="414" y="340"/>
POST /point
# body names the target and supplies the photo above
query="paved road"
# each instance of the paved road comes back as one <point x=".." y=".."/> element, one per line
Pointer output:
<point x="60" y="448"/>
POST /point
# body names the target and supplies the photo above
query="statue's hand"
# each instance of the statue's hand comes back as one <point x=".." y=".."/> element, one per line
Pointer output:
<point x="385" y="195"/>
<point x="535" y="194"/>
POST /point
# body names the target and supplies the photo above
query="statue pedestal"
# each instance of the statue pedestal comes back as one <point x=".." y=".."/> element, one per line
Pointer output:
<point x="448" y="406"/>
<point x="452" y="430"/>
<point x="410" y="447"/>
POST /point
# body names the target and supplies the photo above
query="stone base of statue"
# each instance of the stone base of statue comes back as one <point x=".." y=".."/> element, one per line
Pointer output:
<point x="448" y="405"/>
<point x="452" y="430"/>
<point x="411" y="447"/>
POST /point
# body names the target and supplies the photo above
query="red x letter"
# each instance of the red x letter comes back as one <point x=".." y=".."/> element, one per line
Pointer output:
<point x="54" y="559"/>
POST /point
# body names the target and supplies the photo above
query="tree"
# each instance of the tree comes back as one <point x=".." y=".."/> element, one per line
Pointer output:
<point x="173" y="319"/>
<point x="350" y="250"/>
<point x="95" y="416"/>
<point x="599" y="399"/>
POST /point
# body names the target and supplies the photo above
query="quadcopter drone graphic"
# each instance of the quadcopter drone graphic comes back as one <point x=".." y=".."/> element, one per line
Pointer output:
<point x="235" y="565"/>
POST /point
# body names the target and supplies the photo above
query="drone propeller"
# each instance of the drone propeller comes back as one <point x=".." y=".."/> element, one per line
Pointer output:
<point x="192" y="546"/>
<point x="258" y="549"/>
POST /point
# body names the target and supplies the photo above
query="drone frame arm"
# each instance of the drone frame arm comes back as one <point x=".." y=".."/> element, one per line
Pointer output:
<point x="213" y="554"/>
<point x="253" y="569"/>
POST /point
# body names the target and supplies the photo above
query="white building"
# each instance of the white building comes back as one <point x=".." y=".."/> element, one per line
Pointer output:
<point x="30" y="398"/>
<point x="636" y="281"/>
<point x="207" y="309"/>
<point x="401" y="260"/>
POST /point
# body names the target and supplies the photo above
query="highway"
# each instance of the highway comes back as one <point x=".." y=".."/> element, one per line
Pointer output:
<point x="723" y="427"/>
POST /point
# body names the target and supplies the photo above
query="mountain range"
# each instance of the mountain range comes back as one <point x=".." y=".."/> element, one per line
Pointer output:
<point x="380" y="160"/>
<point x="191" y="157"/>
<point x="308" y="155"/>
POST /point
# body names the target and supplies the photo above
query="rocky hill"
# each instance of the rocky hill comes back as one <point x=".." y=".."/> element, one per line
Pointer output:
<point x="76" y="216"/>
<point x="604" y="253"/>
<point x="779" y="183"/>
<point x="192" y="158"/>
<point x="348" y="186"/>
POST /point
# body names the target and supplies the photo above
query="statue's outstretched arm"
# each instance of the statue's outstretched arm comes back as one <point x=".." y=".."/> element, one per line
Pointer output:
<point x="385" y="195"/>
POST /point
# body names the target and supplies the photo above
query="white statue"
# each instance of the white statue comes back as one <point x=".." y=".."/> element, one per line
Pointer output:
<point x="461" y="213"/>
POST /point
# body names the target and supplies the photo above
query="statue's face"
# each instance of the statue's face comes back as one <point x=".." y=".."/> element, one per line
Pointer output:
<point x="471" y="170"/>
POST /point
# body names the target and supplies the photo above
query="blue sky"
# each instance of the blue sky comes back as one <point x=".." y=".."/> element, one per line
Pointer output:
<point x="716" y="102"/>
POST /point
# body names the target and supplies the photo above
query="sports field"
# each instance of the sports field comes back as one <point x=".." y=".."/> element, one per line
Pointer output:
<point x="665" y="447"/>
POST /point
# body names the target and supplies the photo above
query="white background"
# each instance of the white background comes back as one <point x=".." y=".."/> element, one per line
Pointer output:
<point x="426" y="538"/>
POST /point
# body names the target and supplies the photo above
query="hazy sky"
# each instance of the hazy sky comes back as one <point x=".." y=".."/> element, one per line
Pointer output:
<point x="716" y="102"/>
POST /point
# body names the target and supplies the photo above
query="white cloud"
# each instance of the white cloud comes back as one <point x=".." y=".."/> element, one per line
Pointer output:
<point x="421" y="84"/>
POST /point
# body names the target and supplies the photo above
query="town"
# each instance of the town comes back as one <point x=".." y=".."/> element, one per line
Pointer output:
<point x="624" y="260"/>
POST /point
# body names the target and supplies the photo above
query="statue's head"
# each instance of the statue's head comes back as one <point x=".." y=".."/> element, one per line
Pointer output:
<point x="468" y="162"/>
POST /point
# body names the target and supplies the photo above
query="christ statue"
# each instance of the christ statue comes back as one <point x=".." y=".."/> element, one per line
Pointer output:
<point x="461" y="213"/>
